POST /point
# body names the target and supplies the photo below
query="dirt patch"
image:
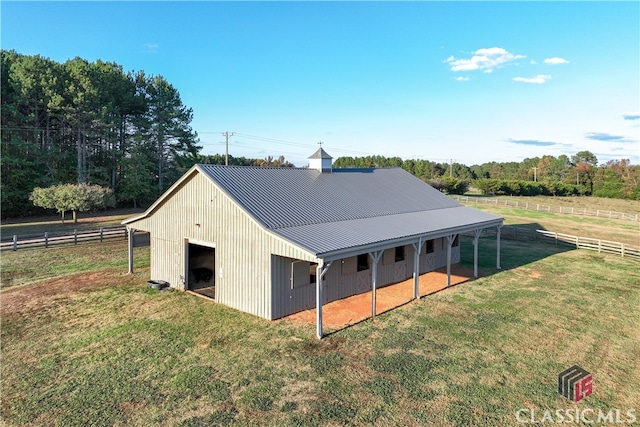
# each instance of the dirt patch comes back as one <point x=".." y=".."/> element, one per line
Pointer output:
<point x="348" y="311"/>
<point x="35" y="295"/>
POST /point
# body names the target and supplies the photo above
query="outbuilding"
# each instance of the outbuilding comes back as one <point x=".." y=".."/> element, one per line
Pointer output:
<point x="276" y="241"/>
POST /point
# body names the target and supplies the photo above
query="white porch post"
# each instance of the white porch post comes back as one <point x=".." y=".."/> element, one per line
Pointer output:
<point x="321" y="269"/>
<point x="499" y="228"/>
<point x="130" y="233"/>
<point x="375" y="257"/>
<point x="476" y="237"/>
<point x="417" y="247"/>
<point x="450" y="240"/>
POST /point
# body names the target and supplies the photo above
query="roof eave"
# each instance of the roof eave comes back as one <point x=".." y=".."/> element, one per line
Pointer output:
<point x="400" y="241"/>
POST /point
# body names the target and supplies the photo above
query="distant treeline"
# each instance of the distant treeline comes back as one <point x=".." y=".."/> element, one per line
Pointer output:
<point x="91" y="122"/>
<point x="579" y="174"/>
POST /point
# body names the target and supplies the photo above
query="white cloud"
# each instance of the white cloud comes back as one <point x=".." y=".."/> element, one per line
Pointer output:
<point x="555" y="61"/>
<point x="462" y="79"/>
<point x="486" y="59"/>
<point x="151" y="47"/>
<point x="539" y="79"/>
<point x="631" y="116"/>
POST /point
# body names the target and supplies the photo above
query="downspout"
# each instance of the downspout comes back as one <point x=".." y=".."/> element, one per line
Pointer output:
<point x="417" y="247"/>
<point x="130" y="233"/>
<point x="321" y="269"/>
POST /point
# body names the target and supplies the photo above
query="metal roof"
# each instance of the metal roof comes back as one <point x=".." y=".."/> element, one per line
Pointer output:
<point x="348" y="208"/>
<point x="320" y="154"/>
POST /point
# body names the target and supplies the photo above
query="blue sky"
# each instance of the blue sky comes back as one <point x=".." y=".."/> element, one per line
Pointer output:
<point x="469" y="81"/>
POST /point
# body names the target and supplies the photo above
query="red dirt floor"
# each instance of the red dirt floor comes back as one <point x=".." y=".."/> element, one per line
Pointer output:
<point x="348" y="311"/>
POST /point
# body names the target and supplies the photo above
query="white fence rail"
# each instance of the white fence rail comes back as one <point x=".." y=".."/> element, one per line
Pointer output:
<point x="570" y="210"/>
<point x="602" y="246"/>
<point x="592" y="244"/>
<point x="47" y="239"/>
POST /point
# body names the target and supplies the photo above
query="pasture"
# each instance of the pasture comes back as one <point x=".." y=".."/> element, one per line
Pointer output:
<point x="83" y="343"/>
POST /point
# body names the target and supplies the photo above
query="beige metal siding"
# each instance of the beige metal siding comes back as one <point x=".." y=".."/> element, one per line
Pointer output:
<point x="253" y="266"/>
<point x="200" y="212"/>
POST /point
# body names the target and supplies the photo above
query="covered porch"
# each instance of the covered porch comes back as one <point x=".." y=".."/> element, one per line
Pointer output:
<point x="348" y="311"/>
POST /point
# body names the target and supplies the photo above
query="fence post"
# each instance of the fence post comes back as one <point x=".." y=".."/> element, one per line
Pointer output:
<point x="577" y="242"/>
<point x="15" y="242"/>
<point x="622" y="249"/>
<point x="556" y="234"/>
<point x="75" y="236"/>
<point x="46" y="239"/>
<point x="599" y="246"/>
<point x="101" y="230"/>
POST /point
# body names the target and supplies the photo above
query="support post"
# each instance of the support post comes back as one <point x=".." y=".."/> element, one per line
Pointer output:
<point x="450" y="239"/>
<point x="375" y="257"/>
<point x="498" y="247"/>
<point x="46" y="239"/>
<point x="75" y="236"/>
<point x="101" y="234"/>
<point x="476" y="238"/>
<point x="417" y="248"/>
<point x="130" y="233"/>
<point x="15" y="242"/>
<point x="321" y="269"/>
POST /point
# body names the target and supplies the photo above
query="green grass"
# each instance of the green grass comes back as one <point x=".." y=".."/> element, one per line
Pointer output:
<point x="26" y="266"/>
<point x="627" y="232"/>
<point x="123" y="354"/>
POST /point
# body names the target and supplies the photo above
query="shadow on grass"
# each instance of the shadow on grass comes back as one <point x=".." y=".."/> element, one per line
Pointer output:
<point x="520" y="245"/>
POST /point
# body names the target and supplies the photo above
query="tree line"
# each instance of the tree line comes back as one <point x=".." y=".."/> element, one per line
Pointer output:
<point x="82" y="122"/>
<point x="89" y="122"/>
<point x="579" y="174"/>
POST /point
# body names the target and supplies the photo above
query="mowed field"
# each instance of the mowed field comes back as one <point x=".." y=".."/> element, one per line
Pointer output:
<point x="83" y="343"/>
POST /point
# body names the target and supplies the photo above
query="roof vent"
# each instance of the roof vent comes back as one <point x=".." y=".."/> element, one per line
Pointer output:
<point x="320" y="161"/>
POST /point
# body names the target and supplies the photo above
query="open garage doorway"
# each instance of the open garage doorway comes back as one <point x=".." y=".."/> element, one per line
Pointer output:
<point x="201" y="267"/>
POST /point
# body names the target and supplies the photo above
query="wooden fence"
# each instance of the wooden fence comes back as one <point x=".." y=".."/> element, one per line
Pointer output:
<point x="49" y="238"/>
<point x="545" y="208"/>
<point x="592" y="244"/>
<point x="602" y="246"/>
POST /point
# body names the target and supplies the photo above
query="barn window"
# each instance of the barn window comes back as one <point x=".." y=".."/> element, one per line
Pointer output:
<point x="431" y="247"/>
<point x="399" y="253"/>
<point x="300" y="274"/>
<point x="363" y="262"/>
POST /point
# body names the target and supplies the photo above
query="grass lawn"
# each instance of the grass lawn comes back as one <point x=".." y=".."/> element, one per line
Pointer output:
<point x="96" y="347"/>
<point x="579" y="202"/>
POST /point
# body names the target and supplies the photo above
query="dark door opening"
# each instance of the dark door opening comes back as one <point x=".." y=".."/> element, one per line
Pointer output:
<point x="201" y="268"/>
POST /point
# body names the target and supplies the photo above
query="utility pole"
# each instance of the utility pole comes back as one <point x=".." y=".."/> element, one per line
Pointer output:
<point x="226" y="154"/>
<point x="535" y="174"/>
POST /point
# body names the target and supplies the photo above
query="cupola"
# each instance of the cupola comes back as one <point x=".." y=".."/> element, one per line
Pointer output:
<point x="320" y="161"/>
